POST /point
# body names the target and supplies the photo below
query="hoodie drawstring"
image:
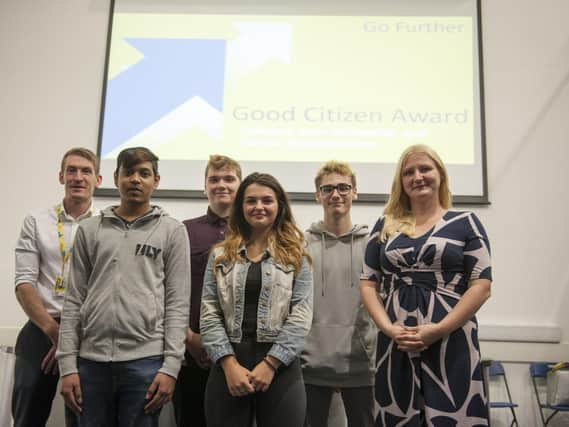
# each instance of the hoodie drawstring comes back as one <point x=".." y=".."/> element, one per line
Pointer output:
<point x="323" y="269"/>
<point x="357" y="232"/>
<point x="352" y="259"/>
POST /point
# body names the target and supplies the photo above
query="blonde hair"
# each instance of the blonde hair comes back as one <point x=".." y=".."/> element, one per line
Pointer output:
<point x="218" y="161"/>
<point x="286" y="241"/>
<point x="333" y="166"/>
<point x="397" y="212"/>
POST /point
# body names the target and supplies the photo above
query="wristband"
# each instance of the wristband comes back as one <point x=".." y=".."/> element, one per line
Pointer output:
<point x="273" y="367"/>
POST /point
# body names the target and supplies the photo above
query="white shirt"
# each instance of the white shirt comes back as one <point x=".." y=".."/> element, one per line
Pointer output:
<point x="38" y="256"/>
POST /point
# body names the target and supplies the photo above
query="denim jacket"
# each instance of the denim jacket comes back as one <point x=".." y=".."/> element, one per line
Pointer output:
<point x="284" y="312"/>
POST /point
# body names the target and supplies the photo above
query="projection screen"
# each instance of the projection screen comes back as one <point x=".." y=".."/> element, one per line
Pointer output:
<point x="283" y="86"/>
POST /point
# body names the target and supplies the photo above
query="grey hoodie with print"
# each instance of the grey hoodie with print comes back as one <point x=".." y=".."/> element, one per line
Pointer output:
<point x="340" y="348"/>
<point x="128" y="295"/>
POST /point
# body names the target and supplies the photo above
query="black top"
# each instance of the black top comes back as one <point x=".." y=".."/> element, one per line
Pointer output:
<point x="252" y="292"/>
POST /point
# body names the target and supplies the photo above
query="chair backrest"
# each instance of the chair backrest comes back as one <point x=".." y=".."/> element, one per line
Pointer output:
<point x="496" y="369"/>
<point x="539" y="369"/>
<point x="538" y="372"/>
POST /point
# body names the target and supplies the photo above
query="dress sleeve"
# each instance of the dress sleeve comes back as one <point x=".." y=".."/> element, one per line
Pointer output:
<point x="476" y="251"/>
<point x="371" y="269"/>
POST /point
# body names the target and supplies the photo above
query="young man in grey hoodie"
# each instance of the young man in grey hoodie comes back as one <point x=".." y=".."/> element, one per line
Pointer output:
<point x="125" y="313"/>
<point x="340" y="349"/>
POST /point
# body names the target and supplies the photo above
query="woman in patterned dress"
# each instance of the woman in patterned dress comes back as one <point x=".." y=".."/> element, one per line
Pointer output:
<point x="431" y="267"/>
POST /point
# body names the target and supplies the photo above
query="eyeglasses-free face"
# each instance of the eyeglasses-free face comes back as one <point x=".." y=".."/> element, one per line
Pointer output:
<point x="260" y="207"/>
<point x="342" y="188"/>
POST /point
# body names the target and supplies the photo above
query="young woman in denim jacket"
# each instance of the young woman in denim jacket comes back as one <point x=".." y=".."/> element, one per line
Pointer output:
<point x="256" y="312"/>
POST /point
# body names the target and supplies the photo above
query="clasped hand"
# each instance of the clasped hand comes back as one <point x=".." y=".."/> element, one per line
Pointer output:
<point x="414" y="338"/>
<point x="241" y="381"/>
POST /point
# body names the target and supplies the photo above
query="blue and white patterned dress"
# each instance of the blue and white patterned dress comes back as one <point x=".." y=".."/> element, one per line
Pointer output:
<point x="422" y="279"/>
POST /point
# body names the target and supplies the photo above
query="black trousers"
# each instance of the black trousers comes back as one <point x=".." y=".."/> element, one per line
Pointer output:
<point x="34" y="391"/>
<point x="189" y="395"/>
<point x="358" y="404"/>
<point x="282" y="405"/>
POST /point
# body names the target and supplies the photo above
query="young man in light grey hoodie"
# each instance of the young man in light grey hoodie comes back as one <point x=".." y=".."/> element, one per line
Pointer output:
<point x="340" y="349"/>
<point x="126" y="309"/>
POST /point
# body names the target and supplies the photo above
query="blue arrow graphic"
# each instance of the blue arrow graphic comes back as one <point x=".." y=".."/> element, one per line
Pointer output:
<point x="171" y="72"/>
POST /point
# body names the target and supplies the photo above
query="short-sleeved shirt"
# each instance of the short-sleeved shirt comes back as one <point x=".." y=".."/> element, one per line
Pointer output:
<point x="444" y="259"/>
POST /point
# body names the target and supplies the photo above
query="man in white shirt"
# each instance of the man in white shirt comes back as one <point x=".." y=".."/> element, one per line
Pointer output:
<point x="42" y="261"/>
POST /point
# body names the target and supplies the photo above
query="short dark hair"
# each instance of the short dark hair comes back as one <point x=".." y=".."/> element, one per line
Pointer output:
<point x="130" y="157"/>
<point x="81" y="152"/>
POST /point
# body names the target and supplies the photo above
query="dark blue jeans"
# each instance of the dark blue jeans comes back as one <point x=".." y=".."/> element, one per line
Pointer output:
<point x="114" y="392"/>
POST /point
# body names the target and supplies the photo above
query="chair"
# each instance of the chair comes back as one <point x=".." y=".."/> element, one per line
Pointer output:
<point x="7" y="363"/>
<point x="538" y="372"/>
<point x="496" y="371"/>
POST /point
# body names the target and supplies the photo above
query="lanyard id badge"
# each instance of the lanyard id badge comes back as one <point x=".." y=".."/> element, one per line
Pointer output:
<point x="59" y="288"/>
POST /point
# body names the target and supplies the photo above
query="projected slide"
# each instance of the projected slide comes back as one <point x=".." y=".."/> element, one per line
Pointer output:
<point x="276" y="90"/>
<point x="190" y="86"/>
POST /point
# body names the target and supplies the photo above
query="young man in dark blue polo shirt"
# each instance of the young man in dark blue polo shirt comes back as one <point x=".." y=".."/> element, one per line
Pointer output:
<point x="222" y="178"/>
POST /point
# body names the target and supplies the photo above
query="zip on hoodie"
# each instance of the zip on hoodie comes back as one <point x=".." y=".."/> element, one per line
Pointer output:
<point x="126" y="227"/>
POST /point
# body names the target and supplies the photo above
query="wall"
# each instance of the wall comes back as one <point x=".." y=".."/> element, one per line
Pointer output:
<point x="52" y="56"/>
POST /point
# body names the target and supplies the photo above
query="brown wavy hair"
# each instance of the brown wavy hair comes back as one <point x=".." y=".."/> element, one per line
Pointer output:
<point x="286" y="240"/>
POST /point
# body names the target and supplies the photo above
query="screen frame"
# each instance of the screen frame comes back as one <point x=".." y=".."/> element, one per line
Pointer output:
<point x="198" y="194"/>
